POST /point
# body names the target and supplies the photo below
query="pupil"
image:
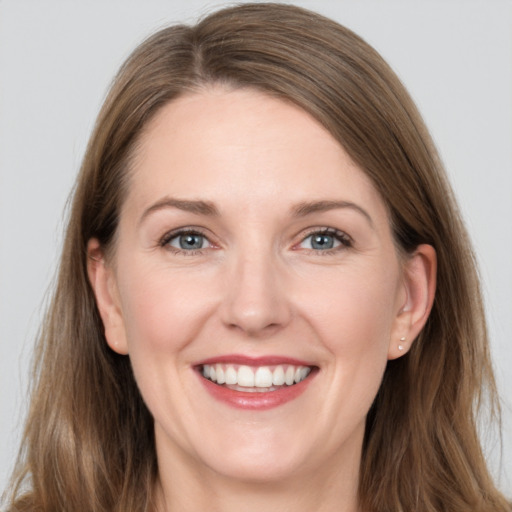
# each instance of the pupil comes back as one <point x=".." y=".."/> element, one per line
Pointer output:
<point x="322" y="242"/>
<point x="191" y="241"/>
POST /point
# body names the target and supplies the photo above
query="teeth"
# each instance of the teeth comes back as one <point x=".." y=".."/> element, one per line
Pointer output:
<point x="231" y="376"/>
<point x="278" y="376"/>
<point x="221" y="377"/>
<point x="304" y="372"/>
<point x="245" y="377"/>
<point x="290" y="373"/>
<point x="263" y="377"/>
<point x="255" y="377"/>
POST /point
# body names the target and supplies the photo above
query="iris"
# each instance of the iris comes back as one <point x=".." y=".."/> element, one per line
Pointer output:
<point x="191" y="241"/>
<point x="322" y="241"/>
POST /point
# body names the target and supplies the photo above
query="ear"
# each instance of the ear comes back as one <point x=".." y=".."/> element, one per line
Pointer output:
<point x="419" y="286"/>
<point x="102" y="279"/>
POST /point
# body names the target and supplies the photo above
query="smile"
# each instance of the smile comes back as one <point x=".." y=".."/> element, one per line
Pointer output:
<point x="255" y="379"/>
<point x="255" y="384"/>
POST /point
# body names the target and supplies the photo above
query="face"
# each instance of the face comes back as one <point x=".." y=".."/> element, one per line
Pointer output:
<point x="255" y="287"/>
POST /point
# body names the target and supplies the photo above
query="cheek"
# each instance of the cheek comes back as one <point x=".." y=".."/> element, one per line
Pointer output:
<point x="354" y="320"/>
<point x="354" y="312"/>
<point x="355" y="326"/>
<point x="161" y="310"/>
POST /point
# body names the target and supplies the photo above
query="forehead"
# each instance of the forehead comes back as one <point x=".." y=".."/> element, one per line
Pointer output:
<point x="246" y="145"/>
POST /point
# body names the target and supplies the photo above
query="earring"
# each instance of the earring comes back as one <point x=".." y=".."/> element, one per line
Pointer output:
<point x="401" y="347"/>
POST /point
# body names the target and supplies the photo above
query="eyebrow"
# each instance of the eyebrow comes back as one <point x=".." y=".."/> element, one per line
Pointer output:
<point x="207" y="208"/>
<point x="307" y="208"/>
<point x="192" y="206"/>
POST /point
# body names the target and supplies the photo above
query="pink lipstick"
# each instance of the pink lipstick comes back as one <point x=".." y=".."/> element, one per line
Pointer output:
<point x="255" y="383"/>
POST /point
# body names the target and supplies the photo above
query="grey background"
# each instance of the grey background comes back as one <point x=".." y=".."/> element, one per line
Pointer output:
<point x="58" y="57"/>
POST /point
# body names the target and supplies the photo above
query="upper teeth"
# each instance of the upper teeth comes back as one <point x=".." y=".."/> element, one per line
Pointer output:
<point x="259" y="376"/>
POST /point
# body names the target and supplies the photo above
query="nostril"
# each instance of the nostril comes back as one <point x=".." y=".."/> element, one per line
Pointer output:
<point x="255" y="329"/>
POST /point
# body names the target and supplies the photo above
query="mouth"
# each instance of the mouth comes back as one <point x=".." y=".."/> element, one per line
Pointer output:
<point x="255" y="384"/>
<point x="255" y="379"/>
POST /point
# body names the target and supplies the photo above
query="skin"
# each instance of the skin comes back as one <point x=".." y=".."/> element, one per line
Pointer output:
<point x="256" y="287"/>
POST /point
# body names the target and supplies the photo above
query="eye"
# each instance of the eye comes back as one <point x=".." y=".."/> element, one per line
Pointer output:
<point x="186" y="241"/>
<point x="321" y="241"/>
<point x="325" y="240"/>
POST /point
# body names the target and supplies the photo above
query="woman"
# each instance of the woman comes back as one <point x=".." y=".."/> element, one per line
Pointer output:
<point x="266" y="295"/>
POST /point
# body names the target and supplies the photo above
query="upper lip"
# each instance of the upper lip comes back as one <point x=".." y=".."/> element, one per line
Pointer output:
<point x="240" y="359"/>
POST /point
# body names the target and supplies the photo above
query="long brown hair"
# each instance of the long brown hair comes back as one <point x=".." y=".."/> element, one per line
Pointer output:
<point x="88" y="443"/>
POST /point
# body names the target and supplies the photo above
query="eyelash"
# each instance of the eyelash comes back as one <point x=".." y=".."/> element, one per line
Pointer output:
<point x="164" y="241"/>
<point x="344" y="240"/>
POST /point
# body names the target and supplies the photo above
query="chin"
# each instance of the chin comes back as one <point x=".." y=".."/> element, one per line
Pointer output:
<point x="257" y="470"/>
<point x="263" y="458"/>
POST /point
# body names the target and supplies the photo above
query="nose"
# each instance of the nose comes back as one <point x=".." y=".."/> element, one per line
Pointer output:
<point x="255" y="300"/>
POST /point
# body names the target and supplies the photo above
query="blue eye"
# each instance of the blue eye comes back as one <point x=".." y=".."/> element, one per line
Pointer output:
<point x="188" y="241"/>
<point x="325" y="241"/>
<point x="321" y="242"/>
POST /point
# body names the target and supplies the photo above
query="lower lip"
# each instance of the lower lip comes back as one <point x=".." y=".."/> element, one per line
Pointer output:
<point x="257" y="401"/>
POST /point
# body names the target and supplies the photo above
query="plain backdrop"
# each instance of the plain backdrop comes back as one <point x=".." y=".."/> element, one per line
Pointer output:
<point x="57" y="59"/>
